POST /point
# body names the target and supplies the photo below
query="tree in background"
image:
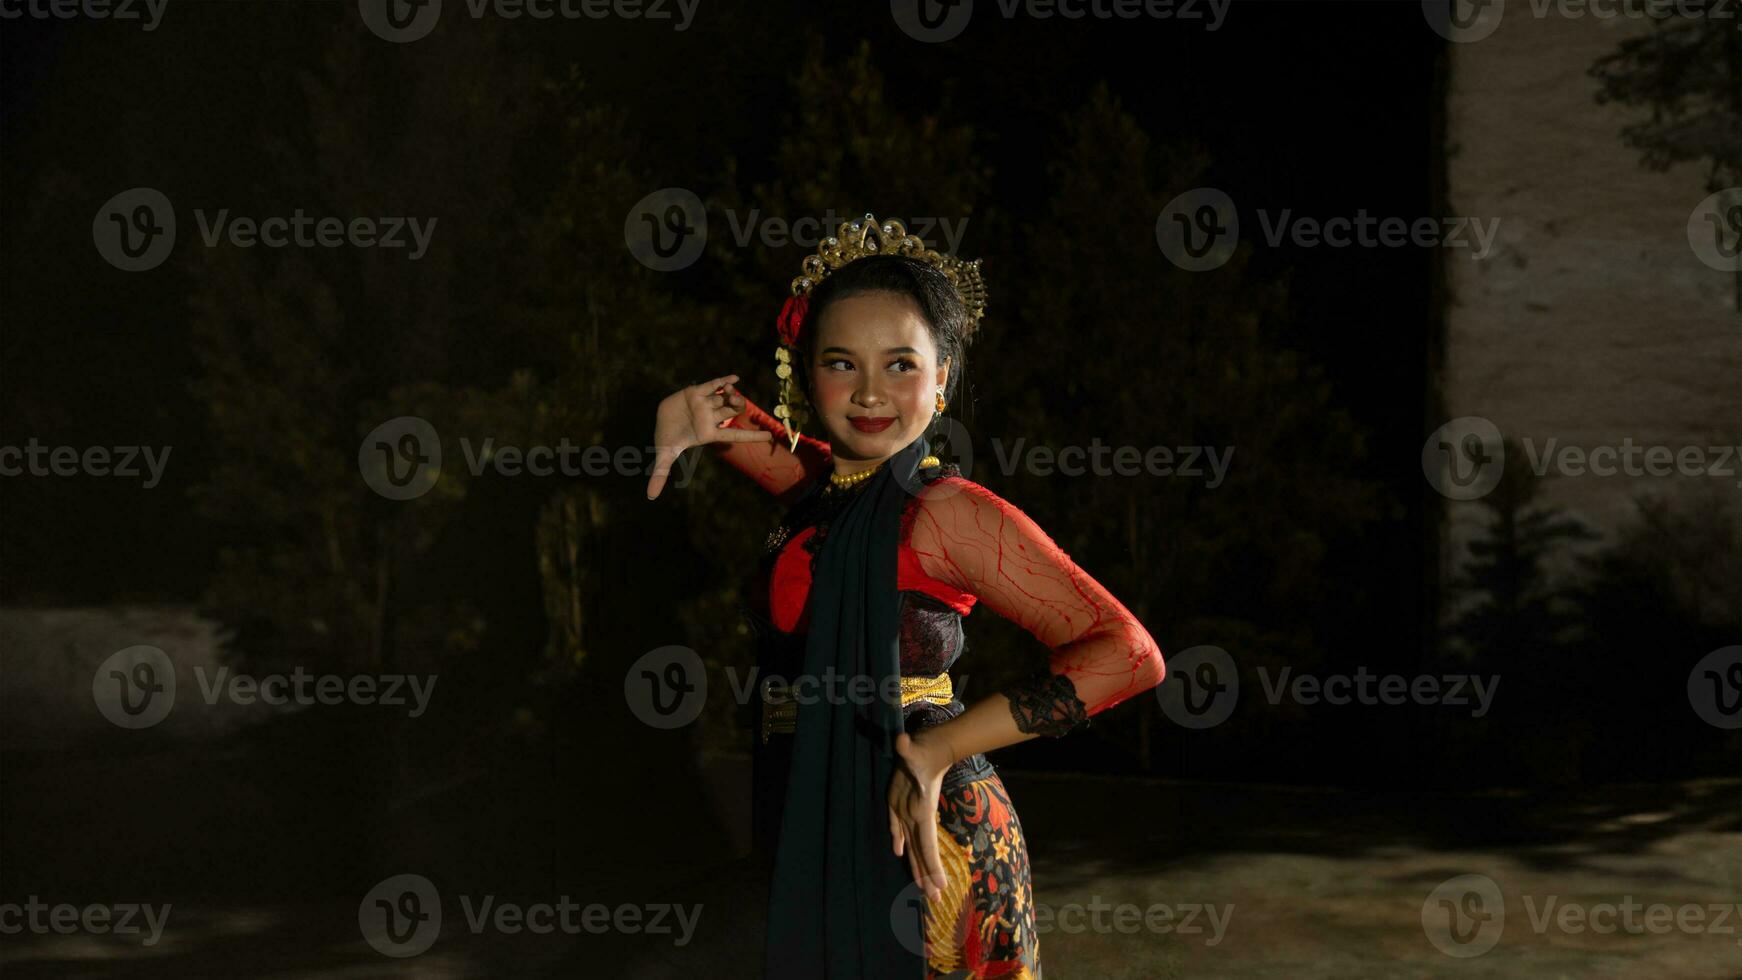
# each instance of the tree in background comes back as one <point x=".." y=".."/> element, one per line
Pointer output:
<point x="1521" y="624"/>
<point x="1658" y="598"/>
<point x="1688" y="72"/>
<point x="524" y="325"/>
<point x="1102" y="338"/>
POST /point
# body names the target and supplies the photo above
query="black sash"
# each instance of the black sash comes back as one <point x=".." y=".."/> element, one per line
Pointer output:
<point x="832" y="902"/>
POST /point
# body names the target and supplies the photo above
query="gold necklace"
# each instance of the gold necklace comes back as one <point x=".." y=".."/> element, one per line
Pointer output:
<point x="840" y="482"/>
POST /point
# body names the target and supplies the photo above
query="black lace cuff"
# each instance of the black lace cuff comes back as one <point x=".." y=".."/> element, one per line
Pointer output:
<point x="1046" y="704"/>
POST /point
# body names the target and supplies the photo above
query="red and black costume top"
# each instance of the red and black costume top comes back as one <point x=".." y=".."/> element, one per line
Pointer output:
<point x="961" y="545"/>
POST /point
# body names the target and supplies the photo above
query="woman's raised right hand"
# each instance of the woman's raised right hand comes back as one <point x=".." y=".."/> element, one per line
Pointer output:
<point x="693" y="416"/>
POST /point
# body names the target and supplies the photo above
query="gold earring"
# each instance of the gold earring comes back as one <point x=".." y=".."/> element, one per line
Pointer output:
<point x="940" y="398"/>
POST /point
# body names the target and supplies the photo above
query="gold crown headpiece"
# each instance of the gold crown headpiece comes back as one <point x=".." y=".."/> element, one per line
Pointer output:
<point x="856" y="240"/>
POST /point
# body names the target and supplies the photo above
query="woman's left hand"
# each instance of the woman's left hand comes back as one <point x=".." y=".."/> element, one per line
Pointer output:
<point x="913" y="808"/>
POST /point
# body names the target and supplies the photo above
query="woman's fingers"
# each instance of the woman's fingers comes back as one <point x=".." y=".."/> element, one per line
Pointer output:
<point x="709" y="387"/>
<point x="897" y="832"/>
<point x="931" y="866"/>
<point x="662" y="460"/>
<point x="918" y="872"/>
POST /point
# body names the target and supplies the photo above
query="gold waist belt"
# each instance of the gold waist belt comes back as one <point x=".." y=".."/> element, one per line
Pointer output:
<point x="780" y="707"/>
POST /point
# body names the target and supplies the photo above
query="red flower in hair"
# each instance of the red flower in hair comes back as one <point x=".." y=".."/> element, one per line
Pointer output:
<point x="792" y="318"/>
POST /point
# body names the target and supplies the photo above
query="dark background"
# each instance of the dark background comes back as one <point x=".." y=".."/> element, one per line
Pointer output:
<point x="530" y="320"/>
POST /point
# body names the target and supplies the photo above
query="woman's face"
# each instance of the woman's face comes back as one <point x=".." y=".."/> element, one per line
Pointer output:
<point x="874" y="365"/>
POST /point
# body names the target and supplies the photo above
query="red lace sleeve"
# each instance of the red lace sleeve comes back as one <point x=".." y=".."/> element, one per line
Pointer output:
<point x="971" y="538"/>
<point x="776" y="468"/>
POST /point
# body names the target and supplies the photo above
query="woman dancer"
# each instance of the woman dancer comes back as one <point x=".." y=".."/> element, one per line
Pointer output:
<point x="874" y="799"/>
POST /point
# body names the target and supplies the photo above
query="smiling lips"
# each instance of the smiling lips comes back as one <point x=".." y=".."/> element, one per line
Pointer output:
<point x="865" y="423"/>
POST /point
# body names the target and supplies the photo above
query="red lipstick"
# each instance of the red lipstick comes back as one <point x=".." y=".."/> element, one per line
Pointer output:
<point x="865" y="423"/>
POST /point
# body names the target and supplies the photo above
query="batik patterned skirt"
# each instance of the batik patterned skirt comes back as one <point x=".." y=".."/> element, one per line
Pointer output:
<point x="983" y="923"/>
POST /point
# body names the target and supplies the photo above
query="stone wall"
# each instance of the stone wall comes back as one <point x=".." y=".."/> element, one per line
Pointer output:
<point x="1593" y="322"/>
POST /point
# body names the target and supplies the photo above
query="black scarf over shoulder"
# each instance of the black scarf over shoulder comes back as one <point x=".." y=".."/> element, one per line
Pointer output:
<point x="832" y="909"/>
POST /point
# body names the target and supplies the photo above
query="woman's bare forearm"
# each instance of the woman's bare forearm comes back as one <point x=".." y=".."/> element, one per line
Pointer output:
<point x="986" y="725"/>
